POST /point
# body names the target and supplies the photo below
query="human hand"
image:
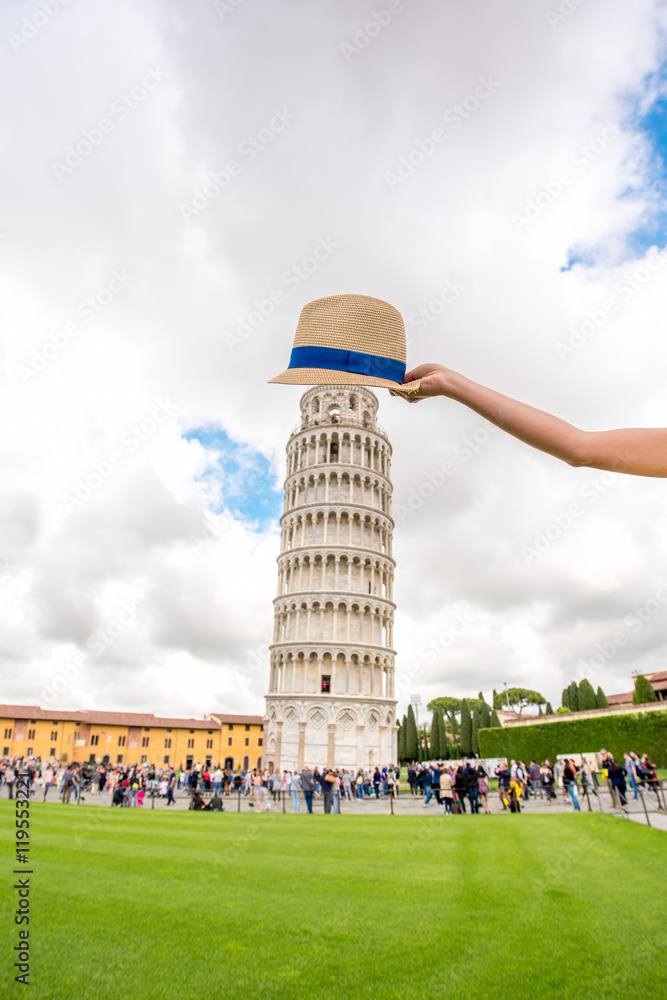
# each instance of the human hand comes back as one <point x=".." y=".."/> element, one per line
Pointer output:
<point x="432" y="379"/>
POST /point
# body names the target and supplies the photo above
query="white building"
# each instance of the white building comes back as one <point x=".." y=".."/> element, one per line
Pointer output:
<point x="331" y="688"/>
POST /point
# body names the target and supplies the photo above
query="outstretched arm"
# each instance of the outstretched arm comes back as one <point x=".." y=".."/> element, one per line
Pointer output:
<point x="638" y="451"/>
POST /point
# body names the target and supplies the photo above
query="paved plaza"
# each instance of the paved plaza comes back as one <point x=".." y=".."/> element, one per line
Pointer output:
<point x="406" y="804"/>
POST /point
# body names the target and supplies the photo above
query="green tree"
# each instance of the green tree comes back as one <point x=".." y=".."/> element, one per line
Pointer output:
<point x="643" y="692"/>
<point x="435" y="733"/>
<point x="466" y="729"/>
<point x="449" y="706"/>
<point x="475" y="731"/>
<point x="495" y="721"/>
<point x="573" y="696"/>
<point x="499" y="700"/>
<point x="402" y="733"/>
<point x="411" y="742"/>
<point x="520" y="697"/>
<point x="484" y="716"/>
<point x="565" y="698"/>
<point x="601" y="699"/>
<point x="549" y="710"/>
<point x="587" y="699"/>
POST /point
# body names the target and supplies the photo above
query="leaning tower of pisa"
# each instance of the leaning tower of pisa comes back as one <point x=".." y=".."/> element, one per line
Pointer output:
<point x="331" y="687"/>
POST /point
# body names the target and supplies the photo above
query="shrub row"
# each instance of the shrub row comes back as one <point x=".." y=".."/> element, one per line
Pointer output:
<point x="644" y="732"/>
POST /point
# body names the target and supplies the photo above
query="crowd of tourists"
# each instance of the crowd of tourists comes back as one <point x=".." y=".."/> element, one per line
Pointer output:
<point x="456" y="788"/>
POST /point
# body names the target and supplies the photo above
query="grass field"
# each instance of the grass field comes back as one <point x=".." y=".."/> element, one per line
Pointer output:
<point x="159" y="906"/>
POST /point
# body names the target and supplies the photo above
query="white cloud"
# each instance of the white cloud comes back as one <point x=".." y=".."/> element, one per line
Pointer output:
<point x="204" y="613"/>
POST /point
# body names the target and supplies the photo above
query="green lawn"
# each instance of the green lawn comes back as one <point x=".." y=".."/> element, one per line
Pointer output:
<point x="161" y="906"/>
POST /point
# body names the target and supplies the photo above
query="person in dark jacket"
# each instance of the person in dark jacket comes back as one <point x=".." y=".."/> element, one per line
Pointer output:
<point x="460" y="788"/>
<point x="504" y="776"/>
<point x="308" y="787"/>
<point x="471" y="784"/>
<point x="617" y="775"/>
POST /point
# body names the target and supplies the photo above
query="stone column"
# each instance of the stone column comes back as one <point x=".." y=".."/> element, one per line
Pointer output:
<point x="302" y="745"/>
<point x="331" y="752"/>
<point x="361" y="730"/>
<point x="279" y="744"/>
<point x="384" y="749"/>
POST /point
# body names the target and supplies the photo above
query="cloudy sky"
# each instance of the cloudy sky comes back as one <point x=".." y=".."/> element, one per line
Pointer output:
<point x="493" y="168"/>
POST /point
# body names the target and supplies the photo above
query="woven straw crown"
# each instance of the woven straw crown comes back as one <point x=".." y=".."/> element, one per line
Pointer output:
<point x="364" y="332"/>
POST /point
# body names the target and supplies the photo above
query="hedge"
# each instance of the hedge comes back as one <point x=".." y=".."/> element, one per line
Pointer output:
<point x="643" y="732"/>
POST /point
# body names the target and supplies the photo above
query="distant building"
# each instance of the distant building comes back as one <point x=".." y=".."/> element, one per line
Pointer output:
<point x="232" y="741"/>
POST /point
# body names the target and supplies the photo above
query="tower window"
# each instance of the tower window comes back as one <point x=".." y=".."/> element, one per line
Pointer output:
<point x="334" y="451"/>
<point x="334" y="414"/>
<point x="326" y="684"/>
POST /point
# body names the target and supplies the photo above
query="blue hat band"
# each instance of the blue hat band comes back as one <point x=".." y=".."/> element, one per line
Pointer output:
<point x="347" y="361"/>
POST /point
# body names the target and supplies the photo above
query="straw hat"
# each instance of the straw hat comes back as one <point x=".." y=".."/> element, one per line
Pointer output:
<point x="349" y="340"/>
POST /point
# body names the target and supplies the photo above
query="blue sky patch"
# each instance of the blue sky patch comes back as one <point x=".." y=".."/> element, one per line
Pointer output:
<point x="649" y="122"/>
<point x="239" y="479"/>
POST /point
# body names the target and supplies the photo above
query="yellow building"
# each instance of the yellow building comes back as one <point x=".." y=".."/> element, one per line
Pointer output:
<point x="233" y="741"/>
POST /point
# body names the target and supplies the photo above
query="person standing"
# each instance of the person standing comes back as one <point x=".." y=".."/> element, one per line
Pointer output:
<point x="617" y="778"/>
<point x="68" y="781"/>
<point x="335" y="793"/>
<point x="347" y="785"/>
<point x="570" y="782"/>
<point x="548" y="781"/>
<point x="327" y="780"/>
<point x="471" y="783"/>
<point x="171" y="785"/>
<point x="535" y="779"/>
<point x="10" y="779"/>
<point x="295" y="792"/>
<point x="483" y="789"/>
<point x="377" y="781"/>
<point x="217" y="780"/>
<point x="308" y="787"/>
<point x="607" y="761"/>
<point x="359" y="782"/>
<point x="504" y="777"/>
<point x="446" y="790"/>
<point x="427" y="784"/>
<point x="412" y="779"/>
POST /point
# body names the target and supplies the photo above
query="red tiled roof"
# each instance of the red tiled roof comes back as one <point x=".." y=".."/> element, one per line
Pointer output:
<point x="248" y="720"/>
<point x="122" y="718"/>
<point x="660" y="676"/>
<point x="620" y="699"/>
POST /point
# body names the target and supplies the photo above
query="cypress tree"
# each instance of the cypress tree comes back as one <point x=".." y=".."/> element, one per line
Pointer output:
<point x="466" y="729"/>
<point x="549" y="709"/>
<point x="587" y="697"/>
<point x="643" y="691"/>
<point x="539" y="710"/>
<point x="573" y="697"/>
<point x="475" y="731"/>
<point x="601" y="699"/>
<point x="411" y="742"/>
<point x="435" y="734"/>
<point x="484" y="716"/>
<point x="565" y="698"/>
<point x="402" y="733"/>
<point x="495" y="721"/>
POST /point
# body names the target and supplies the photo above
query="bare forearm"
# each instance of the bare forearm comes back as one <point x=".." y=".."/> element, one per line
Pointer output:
<point x="637" y="451"/>
<point x="534" y="427"/>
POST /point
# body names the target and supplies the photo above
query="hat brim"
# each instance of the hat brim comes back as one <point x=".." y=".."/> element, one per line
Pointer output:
<point x="327" y="376"/>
